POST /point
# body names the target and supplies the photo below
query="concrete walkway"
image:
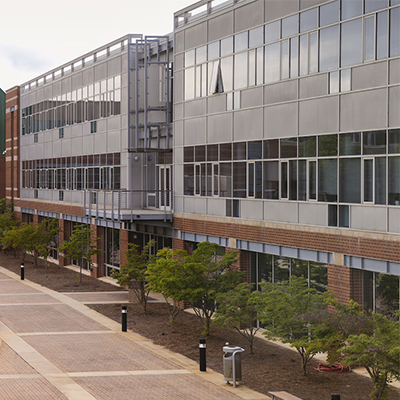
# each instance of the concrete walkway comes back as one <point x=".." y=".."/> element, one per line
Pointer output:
<point x="54" y="347"/>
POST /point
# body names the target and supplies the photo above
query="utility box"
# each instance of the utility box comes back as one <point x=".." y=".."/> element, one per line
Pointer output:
<point x="232" y="363"/>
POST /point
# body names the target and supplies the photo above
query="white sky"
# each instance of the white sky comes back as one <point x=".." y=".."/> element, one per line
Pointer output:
<point x="39" y="35"/>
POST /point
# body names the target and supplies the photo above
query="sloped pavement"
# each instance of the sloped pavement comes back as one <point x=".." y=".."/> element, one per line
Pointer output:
<point x="54" y="347"/>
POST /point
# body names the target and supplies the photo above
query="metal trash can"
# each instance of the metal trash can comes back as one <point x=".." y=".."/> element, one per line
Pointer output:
<point x="232" y="363"/>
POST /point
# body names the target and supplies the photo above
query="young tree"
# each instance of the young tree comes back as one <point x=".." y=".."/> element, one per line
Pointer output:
<point x="133" y="271"/>
<point x="46" y="237"/>
<point x="22" y="239"/>
<point x="80" y="246"/>
<point x="7" y="221"/>
<point x="285" y="310"/>
<point x="199" y="277"/>
<point x="164" y="276"/>
<point x="378" y="353"/>
<point x="237" y="311"/>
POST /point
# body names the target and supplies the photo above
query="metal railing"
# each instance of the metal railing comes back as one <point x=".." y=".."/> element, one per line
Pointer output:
<point x="125" y="204"/>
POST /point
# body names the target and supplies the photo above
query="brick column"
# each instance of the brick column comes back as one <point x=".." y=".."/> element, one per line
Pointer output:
<point x="124" y="240"/>
<point x="178" y="244"/>
<point x="97" y="267"/>
<point x="63" y="235"/>
<point x="346" y="283"/>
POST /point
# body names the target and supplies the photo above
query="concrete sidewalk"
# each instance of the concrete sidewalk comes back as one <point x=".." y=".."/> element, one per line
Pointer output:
<point x="54" y="347"/>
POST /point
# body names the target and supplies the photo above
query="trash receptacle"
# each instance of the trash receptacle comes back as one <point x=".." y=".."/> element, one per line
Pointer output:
<point x="232" y="364"/>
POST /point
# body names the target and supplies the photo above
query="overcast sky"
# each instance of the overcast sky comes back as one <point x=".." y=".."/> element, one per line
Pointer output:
<point x="39" y="35"/>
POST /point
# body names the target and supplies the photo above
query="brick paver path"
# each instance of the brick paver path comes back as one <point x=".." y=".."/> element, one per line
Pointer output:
<point x="54" y="347"/>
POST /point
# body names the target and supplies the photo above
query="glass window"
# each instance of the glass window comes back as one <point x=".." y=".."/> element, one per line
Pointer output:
<point x="254" y="150"/>
<point x="260" y="66"/>
<point x="241" y="41"/>
<point x="329" y="13"/>
<point x="344" y="216"/>
<point x="239" y="180"/>
<point x="188" y="179"/>
<point x="394" y="141"/>
<point x="213" y="50"/>
<point x="394" y="2"/>
<point x="303" y="55"/>
<point x="368" y="180"/>
<point x="225" y="179"/>
<point x="225" y="152"/>
<point x="240" y="70"/>
<point x="271" y="148"/>
<point x="308" y="20"/>
<point x="294" y="57"/>
<point x="239" y="151"/>
<point x="281" y="269"/>
<point x="227" y="73"/>
<point x="387" y="294"/>
<point x="345" y="80"/>
<point x="212" y="152"/>
<point x="334" y="82"/>
<point x="327" y="145"/>
<point x="289" y="148"/>
<point x="271" y="179"/>
<point x="312" y="180"/>
<point x="290" y="26"/>
<point x="293" y="180"/>
<point x="189" y="83"/>
<point x="252" y="67"/>
<point x="327" y="180"/>
<point x="351" y="43"/>
<point x="307" y="146"/>
<point x="200" y="153"/>
<point x="188" y="154"/>
<point x="227" y="46"/>
<point x="272" y="62"/>
<point x="369" y="38"/>
<point x="318" y="277"/>
<point x="374" y="142"/>
<point x="329" y="48"/>
<point x="394" y="180"/>
<point x="285" y="59"/>
<point x="313" y="42"/>
<point x="350" y="144"/>
<point x="272" y="32"/>
<point x="351" y="8"/>
<point x="350" y="180"/>
<point x="302" y="185"/>
<point x="373" y="5"/>
<point x="284" y="180"/>
<point x="395" y="32"/>
<point x="201" y="54"/>
<point x="256" y="36"/>
<point x="381" y="35"/>
<point x="380" y="180"/>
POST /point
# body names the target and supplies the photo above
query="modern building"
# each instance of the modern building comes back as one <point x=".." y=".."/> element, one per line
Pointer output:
<point x="275" y="124"/>
<point x="287" y="139"/>
<point x="2" y="144"/>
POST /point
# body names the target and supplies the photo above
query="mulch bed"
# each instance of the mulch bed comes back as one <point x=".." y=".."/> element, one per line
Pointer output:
<point x="270" y="368"/>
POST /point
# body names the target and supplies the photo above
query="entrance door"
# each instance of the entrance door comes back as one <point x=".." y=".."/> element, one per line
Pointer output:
<point x="165" y="193"/>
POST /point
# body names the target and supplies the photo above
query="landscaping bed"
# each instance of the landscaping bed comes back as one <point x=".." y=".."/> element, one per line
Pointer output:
<point x="270" y="368"/>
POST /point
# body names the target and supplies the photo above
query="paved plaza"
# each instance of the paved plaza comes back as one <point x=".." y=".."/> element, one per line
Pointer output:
<point x="52" y="346"/>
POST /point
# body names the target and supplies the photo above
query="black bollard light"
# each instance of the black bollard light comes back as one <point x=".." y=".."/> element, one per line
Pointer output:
<point x="22" y="272"/>
<point x="335" y="396"/>
<point x="124" y="318"/>
<point x="202" y="350"/>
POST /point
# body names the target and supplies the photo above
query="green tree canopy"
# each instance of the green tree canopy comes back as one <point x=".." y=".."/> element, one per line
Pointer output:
<point x="237" y="311"/>
<point x="286" y="311"/>
<point x="197" y="278"/>
<point x="81" y="245"/>
<point x="133" y="272"/>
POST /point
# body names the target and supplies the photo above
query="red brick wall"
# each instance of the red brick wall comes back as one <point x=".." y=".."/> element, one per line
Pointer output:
<point x="2" y="177"/>
<point x="358" y="246"/>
